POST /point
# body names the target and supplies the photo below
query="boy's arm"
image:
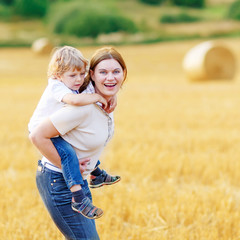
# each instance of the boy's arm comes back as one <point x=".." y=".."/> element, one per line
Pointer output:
<point x="83" y="99"/>
<point x="111" y="104"/>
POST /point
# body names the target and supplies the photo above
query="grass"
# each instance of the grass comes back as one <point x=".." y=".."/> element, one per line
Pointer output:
<point x="176" y="146"/>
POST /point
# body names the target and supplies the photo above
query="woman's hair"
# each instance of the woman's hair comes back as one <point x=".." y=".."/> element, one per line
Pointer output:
<point x="100" y="55"/>
<point x="64" y="59"/>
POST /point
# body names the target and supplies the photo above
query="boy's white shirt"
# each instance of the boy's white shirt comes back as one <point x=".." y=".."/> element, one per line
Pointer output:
<point x="51" y="101"/>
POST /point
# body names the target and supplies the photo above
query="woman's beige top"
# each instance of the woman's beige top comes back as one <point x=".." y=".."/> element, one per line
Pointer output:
<point x="87" y="128"/>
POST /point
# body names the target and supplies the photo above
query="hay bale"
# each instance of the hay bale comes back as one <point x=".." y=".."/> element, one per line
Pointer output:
<point x="42" y="46"/>
<point x="209" y="60"/>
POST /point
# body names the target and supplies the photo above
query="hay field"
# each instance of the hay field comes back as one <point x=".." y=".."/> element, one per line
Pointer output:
<point x="176" y="146"/>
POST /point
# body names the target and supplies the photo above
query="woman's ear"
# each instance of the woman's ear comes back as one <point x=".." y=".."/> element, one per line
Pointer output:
<point x="124" y="75"/>
<point x="92" y="74"/>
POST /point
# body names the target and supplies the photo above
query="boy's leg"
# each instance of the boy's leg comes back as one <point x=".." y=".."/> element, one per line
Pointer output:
<point x="69" y="162"/>
<point x="97" y="171"/>
<point x="74" y="180"/>
<point x="100" y="177"/>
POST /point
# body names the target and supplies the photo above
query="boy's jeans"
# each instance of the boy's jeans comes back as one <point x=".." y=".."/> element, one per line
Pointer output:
<point x="69" y="162"/>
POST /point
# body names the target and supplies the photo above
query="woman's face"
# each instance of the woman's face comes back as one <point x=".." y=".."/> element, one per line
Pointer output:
<point x="108" y="76"/>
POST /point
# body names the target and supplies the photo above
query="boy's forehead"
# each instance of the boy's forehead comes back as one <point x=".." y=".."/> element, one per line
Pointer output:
<point x="76" y="69"/>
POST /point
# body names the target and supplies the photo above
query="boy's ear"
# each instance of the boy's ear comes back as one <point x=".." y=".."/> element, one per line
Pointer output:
<point x="57" y="76"/>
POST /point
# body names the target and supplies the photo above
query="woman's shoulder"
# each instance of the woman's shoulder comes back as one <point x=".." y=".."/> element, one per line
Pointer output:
<point x="79" y="110"/>
<point x="70" y="113"/>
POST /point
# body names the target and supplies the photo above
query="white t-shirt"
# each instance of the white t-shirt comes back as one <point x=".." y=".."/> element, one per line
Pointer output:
<point x="50" y="102"/>
<point x="87" y="128"/>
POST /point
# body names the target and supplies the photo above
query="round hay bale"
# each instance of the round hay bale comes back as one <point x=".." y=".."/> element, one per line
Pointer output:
<point x="209" y="60"/>
<point x="42" y="46"/>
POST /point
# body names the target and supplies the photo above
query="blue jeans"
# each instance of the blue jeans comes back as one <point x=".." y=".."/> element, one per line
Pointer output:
<point x="57" y="199"/>
<point x="69" y="162"/>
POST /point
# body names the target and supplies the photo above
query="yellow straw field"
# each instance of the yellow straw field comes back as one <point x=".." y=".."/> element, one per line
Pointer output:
<point x="176" y="147"/>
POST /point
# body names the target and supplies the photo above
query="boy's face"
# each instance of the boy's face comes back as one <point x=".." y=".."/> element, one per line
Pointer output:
<point x="73" y="79"/>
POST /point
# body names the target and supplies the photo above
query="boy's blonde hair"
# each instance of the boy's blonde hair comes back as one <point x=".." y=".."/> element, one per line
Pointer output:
<point x="64" y="59"/>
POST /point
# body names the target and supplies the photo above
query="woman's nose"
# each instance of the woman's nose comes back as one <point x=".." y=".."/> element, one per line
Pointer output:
<point x="110" y="76"/>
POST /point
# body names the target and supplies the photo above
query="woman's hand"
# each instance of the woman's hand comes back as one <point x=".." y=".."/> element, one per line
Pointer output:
<point x="83" y="162"/>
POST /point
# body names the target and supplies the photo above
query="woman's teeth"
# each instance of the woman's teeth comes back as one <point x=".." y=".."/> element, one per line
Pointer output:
<point x="110" y="85"/>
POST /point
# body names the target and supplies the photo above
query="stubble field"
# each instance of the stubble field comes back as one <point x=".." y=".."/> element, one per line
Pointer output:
<point x="176" y="146"/>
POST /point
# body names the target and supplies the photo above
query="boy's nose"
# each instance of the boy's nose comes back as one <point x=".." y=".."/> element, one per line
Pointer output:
<point x="79" y="77"/>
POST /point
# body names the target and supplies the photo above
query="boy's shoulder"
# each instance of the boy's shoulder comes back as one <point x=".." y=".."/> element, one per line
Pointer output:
<point x="56" y="85"/>
<point x="55" y="82"/>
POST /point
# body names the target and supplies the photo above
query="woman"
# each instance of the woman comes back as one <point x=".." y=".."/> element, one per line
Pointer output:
<point x="88" y="129"/>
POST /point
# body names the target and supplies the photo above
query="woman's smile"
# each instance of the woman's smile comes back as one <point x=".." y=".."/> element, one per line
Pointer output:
<point x="110" y="85"/>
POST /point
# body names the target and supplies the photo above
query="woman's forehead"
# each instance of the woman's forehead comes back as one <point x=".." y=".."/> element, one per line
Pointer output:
<point x="108" y="63"/>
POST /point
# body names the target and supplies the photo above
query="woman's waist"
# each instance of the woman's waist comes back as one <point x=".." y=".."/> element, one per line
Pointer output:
<point x="90" y="165"/>
<point x="45" y="162"/>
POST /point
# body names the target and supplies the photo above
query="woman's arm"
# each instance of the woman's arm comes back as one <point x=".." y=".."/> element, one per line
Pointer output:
<point x="40" y="137"/>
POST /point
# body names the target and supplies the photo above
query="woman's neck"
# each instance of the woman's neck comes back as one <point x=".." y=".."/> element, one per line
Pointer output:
<point x="108" y="98"/>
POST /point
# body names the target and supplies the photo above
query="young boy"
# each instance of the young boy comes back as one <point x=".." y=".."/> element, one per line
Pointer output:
<point x="66" y="73"/>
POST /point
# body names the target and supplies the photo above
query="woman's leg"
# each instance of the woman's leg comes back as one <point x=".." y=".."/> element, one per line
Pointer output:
<point x="69" y="161"/>
<point x="57" y="199"/>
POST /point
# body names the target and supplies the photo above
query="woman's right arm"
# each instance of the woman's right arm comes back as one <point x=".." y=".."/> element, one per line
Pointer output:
<point x="41" y="138"/>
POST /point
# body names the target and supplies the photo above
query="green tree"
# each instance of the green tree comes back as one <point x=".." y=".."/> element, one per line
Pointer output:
<point x="234" y="10"/>
<point x="190" y="3"/>
<point x="89" y="21"/>
<point x="152" y="2"/>
<point x="31" y="8"/>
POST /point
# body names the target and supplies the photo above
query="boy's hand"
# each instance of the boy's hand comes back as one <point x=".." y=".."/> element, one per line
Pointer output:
<point x="103" y="101"/>
<point x="83" y="162"/>
<point x="111" y="104"/>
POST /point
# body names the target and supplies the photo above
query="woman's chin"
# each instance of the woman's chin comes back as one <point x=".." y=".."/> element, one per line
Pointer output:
<point x="109" y="94"/>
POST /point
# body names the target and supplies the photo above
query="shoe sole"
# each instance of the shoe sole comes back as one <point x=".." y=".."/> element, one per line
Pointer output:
<point x="74" y="209"/>
<point x="102" y="184"/>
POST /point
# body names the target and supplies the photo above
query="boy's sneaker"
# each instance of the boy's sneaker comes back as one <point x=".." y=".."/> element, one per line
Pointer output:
<point x="103" y="179"/>
<point x="87" y="209"/>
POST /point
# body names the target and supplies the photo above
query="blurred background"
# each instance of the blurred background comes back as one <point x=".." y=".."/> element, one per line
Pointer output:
<point x="176" y="141"/>
<point x="76" y="22"/>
